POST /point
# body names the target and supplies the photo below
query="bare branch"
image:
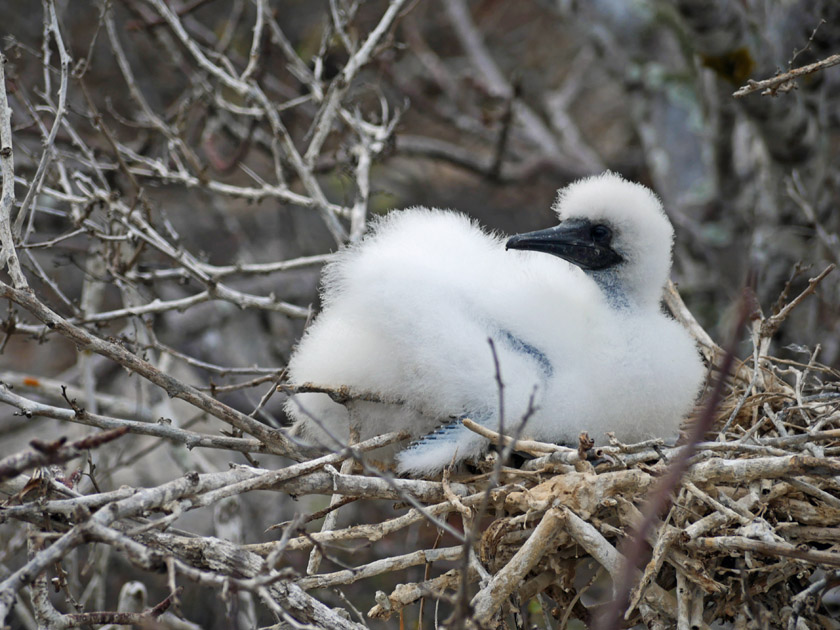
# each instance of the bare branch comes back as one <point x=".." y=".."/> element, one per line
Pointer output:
<point x="489" y="599"/>
<point x="8" y="256"/>
<point x="341" y="83"/>
<point x="274" y="440"/>
<point x="252" y="91"/>
<point x="54" y="453"/>
<point x="786" y="81"/>
<point x="50" y="25"/>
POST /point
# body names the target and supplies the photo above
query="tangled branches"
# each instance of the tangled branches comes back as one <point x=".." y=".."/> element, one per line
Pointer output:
<point x="173" y="176"/>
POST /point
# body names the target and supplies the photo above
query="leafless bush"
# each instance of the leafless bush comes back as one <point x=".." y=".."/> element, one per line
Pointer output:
<point x="175" y="173"/>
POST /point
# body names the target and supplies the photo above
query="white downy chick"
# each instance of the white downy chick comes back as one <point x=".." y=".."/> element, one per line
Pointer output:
<point x="408" y="311"/>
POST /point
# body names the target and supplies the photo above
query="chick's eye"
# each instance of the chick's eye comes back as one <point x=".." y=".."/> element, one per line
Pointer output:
<point x="600" y="234"/>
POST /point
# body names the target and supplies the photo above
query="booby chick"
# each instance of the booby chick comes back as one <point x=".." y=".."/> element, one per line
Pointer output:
<point x="408" y="312"/>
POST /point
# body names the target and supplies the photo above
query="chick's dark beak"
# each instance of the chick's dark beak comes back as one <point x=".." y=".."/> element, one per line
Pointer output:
<point x="572" y="241"/>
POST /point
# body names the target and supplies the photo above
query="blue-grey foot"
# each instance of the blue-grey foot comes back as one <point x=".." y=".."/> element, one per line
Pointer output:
<point x="433" y="452"/>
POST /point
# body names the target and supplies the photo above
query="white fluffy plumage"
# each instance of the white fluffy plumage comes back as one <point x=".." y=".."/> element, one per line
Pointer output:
<point x="408" y="311"/>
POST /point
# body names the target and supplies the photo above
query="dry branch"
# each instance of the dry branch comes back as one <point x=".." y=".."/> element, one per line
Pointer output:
<point x="54" y="453"/>
<point x="489" y="599"/>
<point x="274" y="440"/>
<point x="785" y="81"/>
<point x="8" y="255"/>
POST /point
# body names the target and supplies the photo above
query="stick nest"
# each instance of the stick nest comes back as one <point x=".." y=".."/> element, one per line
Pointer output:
<point x="750" y="535"/>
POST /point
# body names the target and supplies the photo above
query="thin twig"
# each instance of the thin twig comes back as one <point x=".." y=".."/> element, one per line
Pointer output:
<point x="785" y="81"/>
